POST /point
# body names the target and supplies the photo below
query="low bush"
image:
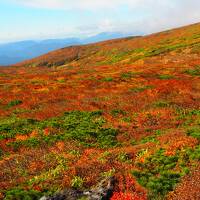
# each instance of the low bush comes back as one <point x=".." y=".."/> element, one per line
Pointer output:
<point x="83" y="127"/>
<point x="30" y="142"/>
<point x="107" y="79"/>
<point x="141" y="89"/>
<point x="124" y="157"/>
<point x="117" y="112"/>
<point x="194" y="154"/>
<point x="196" y="49"/>
<point x="11" y="126"/>
<point x="165" y="77"/>
<point x="194" y="132"/>
<point x="20" y="194"/>
<point x="194" y="72"/>
<point x="77" y="182"/>
<point x="14" y="103"/>
<point x="127" y="75"/>
<point x="149" y="139"/>
<point x="158" y="174"/>
<point x="161" y="104"/>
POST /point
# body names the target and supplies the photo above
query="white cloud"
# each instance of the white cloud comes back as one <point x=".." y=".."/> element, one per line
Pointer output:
<point x="98" y="4"/>
<point x="174" y="10"/>
<point x="69" y="4"/>
<point x="152" y="15"/>
<point x="93" y="4"/>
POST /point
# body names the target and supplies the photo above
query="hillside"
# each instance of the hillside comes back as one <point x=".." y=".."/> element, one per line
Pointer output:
<point x="126" y="108"/>
<point x="11" y="53"/>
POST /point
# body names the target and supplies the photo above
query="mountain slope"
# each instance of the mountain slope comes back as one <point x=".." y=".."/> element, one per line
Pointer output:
<point x="125" y="109"/>
<point x="124" y="51"/>
<point x="12" y="53"/>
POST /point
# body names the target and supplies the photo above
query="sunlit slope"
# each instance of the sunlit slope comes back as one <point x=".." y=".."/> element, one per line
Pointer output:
<point x="127" y="108"/>
<point x="125" y="51"/>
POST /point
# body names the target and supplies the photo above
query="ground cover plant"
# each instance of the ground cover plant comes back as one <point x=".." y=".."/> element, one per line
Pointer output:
<point x="128" y="109"/>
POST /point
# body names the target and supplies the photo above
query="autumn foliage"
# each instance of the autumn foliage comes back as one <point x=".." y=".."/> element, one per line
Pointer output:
<point x="127" y="108"/>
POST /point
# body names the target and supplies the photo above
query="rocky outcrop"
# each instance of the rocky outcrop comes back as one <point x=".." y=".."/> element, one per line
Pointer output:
<point x="103" y="191"/>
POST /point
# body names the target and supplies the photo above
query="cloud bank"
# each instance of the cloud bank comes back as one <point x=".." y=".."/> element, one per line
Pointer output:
<point x="142" y="16"/>
<point x="193" y="5"/>
<point x="80" y="4"/>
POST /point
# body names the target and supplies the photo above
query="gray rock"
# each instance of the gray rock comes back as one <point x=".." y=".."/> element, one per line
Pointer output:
<point x="103" y="191"/>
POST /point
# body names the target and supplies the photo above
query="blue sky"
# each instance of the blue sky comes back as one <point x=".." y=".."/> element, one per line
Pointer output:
<point x="39" y="19"/>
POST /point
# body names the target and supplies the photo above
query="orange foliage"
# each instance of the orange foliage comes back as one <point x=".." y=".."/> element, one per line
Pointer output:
<point x="92" y="80"/>
<point x="127" y="196"/>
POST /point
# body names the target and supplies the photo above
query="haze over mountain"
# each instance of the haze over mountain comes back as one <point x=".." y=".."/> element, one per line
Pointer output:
<point x="11" y="53"/>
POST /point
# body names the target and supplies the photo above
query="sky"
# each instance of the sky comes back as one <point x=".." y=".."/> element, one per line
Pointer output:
<point x="42" y="19"/>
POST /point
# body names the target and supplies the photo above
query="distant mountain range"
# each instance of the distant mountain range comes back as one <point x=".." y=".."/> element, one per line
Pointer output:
<point x="11" y="53"/>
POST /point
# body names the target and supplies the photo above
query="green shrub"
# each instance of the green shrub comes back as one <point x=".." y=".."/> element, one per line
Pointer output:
<point x="109" y="173"/>
<point x="75" y="152"/>
<point x="163" y="184"/>
<point x="138" y="50"/>
<point x="194" y="154"/>
<point x="194" y="132"/>
<point x="77" y="182"/>
<point x="14" y="103"/>
<point x="155" y="52"/>
<point x="20" y="110"/>
<point x="196" y="49"/>
<point x="84" y="127"/>
<point x="126" y="119"/>
<point x="117" y="112"/>
<point x="11" y="126"/>
<point x="104" y="156"/>
<point x="133" y="142"/>
<point x="61" y="81"/>
<point x="194" y="72"/>
<point x="123" y="157"/>
<point x="141" y="89"/>
<point x="149" y="139"/>
<point x="194" y="112"/>
<point x="107" y="79"/>
<point x="1" y="153"/>
<point x="164" y="49"/>
<point x="3" y="75"/>
<point x="31" y="143"/>
<point x="127" y="75"/>
<point x="165" y="77"/>
<point x="158" y="174"/>
<point x="161" y="104"/>
<point x="20" y="194"/>
<point x="107" y="138"/>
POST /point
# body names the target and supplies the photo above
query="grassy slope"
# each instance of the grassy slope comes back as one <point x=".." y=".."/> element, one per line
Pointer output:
<point x="127" y="107"/>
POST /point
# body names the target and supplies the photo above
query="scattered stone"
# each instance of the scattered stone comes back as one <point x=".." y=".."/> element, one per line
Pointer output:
<point x="103" y="191"/>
